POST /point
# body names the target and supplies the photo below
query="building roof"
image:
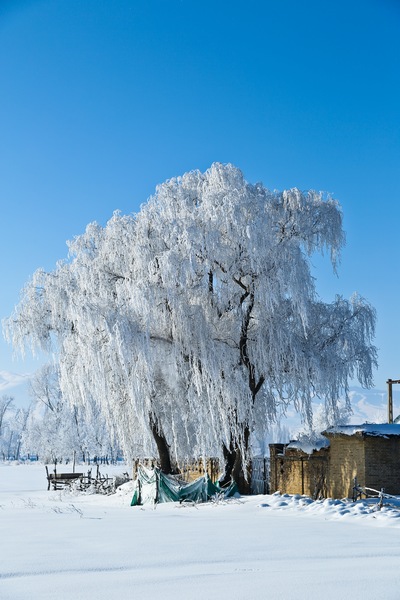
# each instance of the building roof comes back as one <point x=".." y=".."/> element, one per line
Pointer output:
<point x="367" y="429"/>
<point x="308" y="446"/>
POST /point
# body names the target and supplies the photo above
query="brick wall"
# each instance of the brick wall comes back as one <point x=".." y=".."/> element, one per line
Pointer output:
<point x="382" y="464"/>
<point x="295" y="472"/>
<point x="188" y="470"/>
<point x="347" y="461"/>
<point x="374" y="460"/>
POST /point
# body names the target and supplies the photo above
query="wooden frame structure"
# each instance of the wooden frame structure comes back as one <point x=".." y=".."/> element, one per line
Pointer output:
<point x="390" y="383"/>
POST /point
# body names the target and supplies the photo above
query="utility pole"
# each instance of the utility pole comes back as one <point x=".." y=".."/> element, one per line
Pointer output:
<point x="390" y="383"/>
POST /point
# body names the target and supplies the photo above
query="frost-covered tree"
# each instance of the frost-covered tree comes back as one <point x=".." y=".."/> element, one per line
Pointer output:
<point x="12" y="424"/>
<point x="232" y="261"/>
<point x="51" y="431"/>
<point x="6" y="410"/>
<point x="6" y="405"/>
<point x="20" y="423"/>
<point x="56" y="429"/>
<point x="191" y="323"/>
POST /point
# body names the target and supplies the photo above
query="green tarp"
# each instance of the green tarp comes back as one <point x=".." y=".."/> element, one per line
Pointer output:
<point x="152" y="486"/>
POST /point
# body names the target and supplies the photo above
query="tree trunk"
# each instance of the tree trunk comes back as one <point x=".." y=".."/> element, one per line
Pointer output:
<point x="233" y="468"/>
<point x="229" y="463"/>
<point x="162" y="445"/>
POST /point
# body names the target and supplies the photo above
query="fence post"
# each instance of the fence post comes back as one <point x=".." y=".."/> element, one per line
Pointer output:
<point x="355" y="489"/>
<point x="381" y="495"/>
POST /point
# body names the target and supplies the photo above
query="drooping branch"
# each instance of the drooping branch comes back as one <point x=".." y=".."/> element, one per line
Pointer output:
<point x="203" y="302"/>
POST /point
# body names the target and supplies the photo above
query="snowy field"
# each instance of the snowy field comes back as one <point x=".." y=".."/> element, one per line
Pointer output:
<point x="58" y="545"/>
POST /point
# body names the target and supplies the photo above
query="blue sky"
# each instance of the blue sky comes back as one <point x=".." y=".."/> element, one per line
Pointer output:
<point x="100" y="101"/>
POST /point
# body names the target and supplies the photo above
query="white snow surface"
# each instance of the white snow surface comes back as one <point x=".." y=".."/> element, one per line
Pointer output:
<point x="372" y="429"/>
<point x="308" y="446"/>
<point x="58" y="545"/>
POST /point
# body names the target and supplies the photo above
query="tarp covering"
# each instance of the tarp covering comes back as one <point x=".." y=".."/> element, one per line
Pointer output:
<point x="153" y="486"/>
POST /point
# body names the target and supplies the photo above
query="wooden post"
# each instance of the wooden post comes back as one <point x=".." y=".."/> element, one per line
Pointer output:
<point x="265" y="476"/>
<point x="390" y="383"/>
<point x="390" y="400"/>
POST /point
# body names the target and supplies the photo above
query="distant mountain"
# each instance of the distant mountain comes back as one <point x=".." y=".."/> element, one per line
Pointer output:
<point x="371" y="405"/>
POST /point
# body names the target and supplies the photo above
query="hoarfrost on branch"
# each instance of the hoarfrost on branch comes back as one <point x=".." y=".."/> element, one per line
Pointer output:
<point x="197" y="318"/>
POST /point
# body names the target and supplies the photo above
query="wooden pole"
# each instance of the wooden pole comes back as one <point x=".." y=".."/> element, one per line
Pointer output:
<point x="390" y="383"/>
<point x="390" y="400"/>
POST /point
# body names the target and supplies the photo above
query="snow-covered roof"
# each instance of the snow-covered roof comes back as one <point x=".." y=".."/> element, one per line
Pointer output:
<point x="367" y="429"/>
<point x="308" y="446"/>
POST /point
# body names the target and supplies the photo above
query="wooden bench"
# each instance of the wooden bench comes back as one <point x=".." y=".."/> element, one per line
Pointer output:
<point x="60" y="480"/>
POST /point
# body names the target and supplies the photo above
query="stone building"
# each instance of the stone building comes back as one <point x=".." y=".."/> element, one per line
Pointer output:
<point x="369" y="452"/>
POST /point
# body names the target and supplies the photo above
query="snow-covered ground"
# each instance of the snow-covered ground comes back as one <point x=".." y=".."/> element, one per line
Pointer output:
<point x="56" y="545"/>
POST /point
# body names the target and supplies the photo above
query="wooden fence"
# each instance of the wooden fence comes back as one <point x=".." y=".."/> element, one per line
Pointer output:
<point x="260" y="475"/>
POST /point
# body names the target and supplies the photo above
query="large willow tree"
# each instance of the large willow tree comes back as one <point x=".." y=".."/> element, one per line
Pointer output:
<point x="194" y="321"/>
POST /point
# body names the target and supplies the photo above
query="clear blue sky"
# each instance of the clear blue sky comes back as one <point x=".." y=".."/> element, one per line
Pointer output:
<point x="102" y="100"/>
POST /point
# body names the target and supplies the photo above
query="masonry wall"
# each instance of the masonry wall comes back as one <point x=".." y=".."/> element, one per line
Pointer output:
<point x="347" y="461"/>
<point x="188" y="470"/>
<point x="295" y="472"/>
<point x="374" y="460"/>
<point x="382" y="464"/>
